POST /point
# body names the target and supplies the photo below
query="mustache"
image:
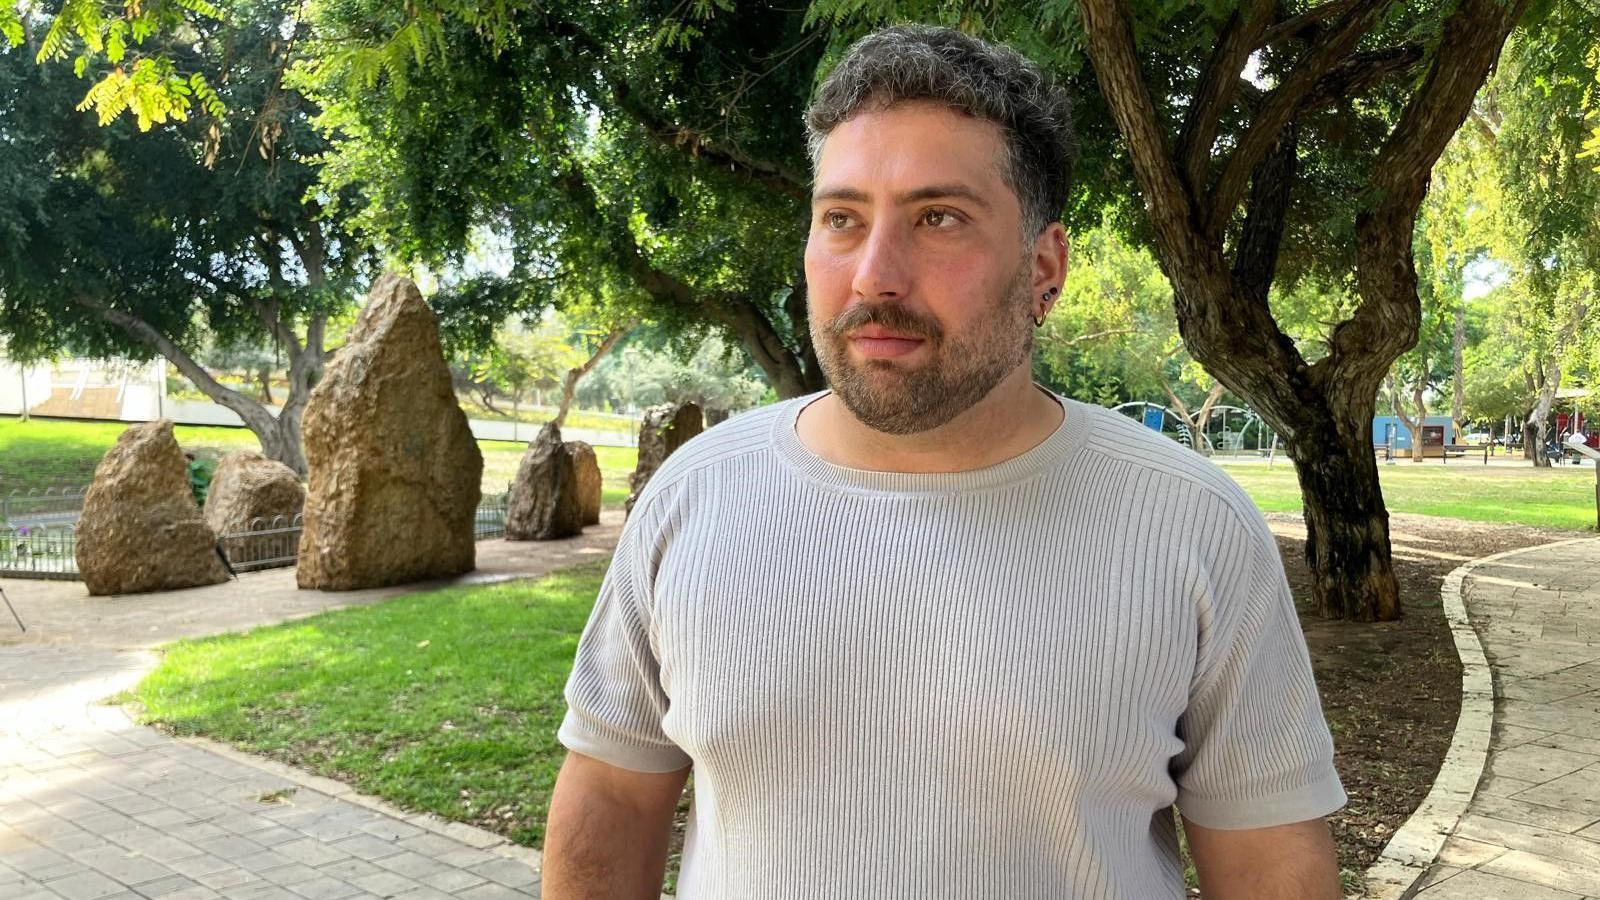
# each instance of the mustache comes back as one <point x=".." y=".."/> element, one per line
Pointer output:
<point x="892" y="316"/>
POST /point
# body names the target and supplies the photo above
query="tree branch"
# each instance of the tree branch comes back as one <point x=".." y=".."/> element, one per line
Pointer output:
<point x="569" y="384"/>
<point x="738" y="314"/>
<point x="1053" y="340"/>
<point x="1171" y="209"/>
<point x="1217" y="84"/>
<point x="1283" y="103"/>
<point x="699" y="146"/>
<point x="253" y="413"/>
<point x="1360" y="71"/>
<point x="1389" y="315"/>
<point x="1255" y="261"/>
<point x="1294" y="25"/>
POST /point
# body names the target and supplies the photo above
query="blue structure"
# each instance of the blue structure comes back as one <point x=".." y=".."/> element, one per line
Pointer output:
<point x="1436" y="431"/>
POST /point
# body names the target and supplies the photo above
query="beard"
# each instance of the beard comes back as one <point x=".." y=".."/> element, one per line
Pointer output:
<point x="895" y="397"/>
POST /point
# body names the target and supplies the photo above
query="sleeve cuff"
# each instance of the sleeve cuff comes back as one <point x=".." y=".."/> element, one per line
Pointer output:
<point x="580" y="736"/>
<point x="1311" y="801"/>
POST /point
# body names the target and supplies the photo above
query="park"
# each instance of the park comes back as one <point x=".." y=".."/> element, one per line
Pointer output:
<point x="345" y="349"/>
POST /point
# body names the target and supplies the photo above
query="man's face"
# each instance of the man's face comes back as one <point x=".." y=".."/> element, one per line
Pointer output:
<point x="920" y="283"/>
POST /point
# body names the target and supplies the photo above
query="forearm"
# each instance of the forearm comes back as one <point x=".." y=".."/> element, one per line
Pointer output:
<point x="1266" y="863"/>
<point x="602" y="843"/>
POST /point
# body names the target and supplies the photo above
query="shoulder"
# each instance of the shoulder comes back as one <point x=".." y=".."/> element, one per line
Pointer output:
<point x="712" y="451"/>
<point x="1175" y="479"/>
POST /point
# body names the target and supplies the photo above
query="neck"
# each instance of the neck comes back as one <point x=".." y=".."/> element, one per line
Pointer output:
<point x="1010" y="420"/>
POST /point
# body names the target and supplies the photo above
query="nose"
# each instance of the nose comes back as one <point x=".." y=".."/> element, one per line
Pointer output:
<point x="883" y="270"/>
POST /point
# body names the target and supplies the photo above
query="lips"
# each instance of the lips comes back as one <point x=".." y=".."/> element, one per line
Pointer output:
<point x="882" y="343"/>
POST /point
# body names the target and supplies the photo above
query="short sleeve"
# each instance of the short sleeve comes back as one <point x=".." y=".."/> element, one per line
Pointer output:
<point x="615" y="703"/>
<point x="1257" y="751"/>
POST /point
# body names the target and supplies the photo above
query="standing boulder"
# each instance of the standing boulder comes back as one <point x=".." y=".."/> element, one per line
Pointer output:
<point x="544" y="503"/>
<point x="140" y="529"/>
<point x="395" y="472"/>
<point x="665" y="428"/>
<point x="248" y="486"/>
<point x="586" y="466"/>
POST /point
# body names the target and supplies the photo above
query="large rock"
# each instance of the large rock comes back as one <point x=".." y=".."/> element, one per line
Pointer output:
<point x="665" y="428"/>
<point x="140" y="529"/>
<point x="544" y="504"/>
<point x="247" y="486"/>
<point x="395" y="471"/>
<point x="586" y="466"/>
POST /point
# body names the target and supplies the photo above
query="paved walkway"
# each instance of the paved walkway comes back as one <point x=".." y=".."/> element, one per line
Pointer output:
<point x="1532" y="830"/>
<point x="93" y="807"/>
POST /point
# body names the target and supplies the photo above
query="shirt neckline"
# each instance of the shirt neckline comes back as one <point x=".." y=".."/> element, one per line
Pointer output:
<point x="1066" y="438"/>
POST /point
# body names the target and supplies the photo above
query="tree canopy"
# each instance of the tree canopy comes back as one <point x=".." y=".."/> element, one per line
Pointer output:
<point x="117" y="242"/>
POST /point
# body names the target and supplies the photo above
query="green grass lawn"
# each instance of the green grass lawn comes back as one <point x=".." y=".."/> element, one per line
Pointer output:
<point x="501" y="458"/>
<point x="538" y="415"/>
<point x="1558" y="497"/>
<point x="446" y="701"/>
<point x="44" y="452"/>
<point x="41" y="453"/>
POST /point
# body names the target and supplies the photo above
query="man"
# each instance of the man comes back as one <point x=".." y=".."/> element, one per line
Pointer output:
<point x="938" y="632"/>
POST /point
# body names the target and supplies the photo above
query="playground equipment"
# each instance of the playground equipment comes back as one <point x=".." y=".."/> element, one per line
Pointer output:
<point x="1252" y="437"/>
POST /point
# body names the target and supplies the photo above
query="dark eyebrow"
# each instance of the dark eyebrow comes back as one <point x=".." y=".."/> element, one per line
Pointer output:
<point x="931" y="192"/>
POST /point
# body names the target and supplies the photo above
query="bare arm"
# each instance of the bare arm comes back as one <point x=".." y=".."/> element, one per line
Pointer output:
<point x="607" y="834"/>
<point x="1265" y="863"/>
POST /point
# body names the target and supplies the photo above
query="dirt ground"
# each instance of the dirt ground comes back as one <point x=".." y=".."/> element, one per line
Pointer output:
<point x="1392" y="691"/>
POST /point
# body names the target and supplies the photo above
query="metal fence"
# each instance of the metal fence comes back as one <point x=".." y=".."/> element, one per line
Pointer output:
<point x="490" y="520"/>
<point x="264" y="544"/>
<point x="39" y="551"/>
<point x="50" y="506"/>
<point x="49" y="550"/>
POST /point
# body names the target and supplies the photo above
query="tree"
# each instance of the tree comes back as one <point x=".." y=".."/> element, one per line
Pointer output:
<point x="1534" y="118"/>
<point x="1218" y="179"/>
<point x="1112" y="336"/>
<point x="1513" y="189"/>
<point x="126" y="243"/>
<point x="649" y="369"/>
<point x="644" y="151"/>
<point x="109" y="41"/>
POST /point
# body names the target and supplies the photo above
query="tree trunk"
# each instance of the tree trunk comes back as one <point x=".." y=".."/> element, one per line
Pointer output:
<point x="1538" y="428"/>
<point x="1324" y="409"/>
<point x="1347" y="524"/>
<point x="569" y="385"/>
<point x="1413" y="426"/>
<point x="1458" y="402"/>
<point x="1417" y="448"/>
<point x="264" y="375"/>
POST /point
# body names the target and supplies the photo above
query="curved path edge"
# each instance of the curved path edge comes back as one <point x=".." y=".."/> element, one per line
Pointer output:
<point x="1414" y="847"/>
<point x="470" y="835"/>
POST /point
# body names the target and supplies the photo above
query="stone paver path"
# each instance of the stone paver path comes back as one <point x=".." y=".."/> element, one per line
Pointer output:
<point x="93" y="807"/>
<point x="1532" y="830"/>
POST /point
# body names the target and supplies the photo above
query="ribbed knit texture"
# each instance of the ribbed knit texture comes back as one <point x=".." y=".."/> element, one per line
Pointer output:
<point x="986" y="684"/>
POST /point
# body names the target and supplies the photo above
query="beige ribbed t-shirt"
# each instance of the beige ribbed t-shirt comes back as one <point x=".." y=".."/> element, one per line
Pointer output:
<point x="986" y="684"/>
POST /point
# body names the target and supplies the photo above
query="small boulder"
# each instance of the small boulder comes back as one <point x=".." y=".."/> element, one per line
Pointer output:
<point x="247" y="486"/>
<point x="587" y="467"/>
<point x="140" y="529"/>
<point x="544" y="503"/>
<point x="395" y="472"/>
<point x="665" y="428"/>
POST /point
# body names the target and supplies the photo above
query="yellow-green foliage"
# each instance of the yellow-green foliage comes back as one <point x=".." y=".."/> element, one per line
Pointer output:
<point x="148" y="87"/>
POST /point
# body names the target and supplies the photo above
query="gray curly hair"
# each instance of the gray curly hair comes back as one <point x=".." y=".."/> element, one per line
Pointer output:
<point x="985" y="80"/>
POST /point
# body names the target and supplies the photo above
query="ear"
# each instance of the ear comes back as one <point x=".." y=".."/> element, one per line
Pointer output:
<point x="1049" y="267"/>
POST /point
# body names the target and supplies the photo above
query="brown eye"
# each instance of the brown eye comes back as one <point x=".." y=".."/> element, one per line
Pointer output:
<point x="937" y="218"/>
<point x="836" y="220"/>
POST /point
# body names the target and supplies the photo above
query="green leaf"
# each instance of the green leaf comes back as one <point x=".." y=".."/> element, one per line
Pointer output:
<point x="11" y="24"/>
